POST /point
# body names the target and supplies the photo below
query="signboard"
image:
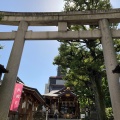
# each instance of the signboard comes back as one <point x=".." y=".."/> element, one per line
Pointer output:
<point x="82" y="115"/>
<point x="16" y="97"/>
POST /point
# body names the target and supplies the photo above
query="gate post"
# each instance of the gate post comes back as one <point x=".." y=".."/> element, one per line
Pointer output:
<point x="9" y="80"/>
<point x="62" y="26"/>
<point x="110" y="64"/>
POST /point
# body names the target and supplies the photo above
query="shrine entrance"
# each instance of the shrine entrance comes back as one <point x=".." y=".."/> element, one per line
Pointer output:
<point x="101" y="18"/>
<point x="65" y="101"/>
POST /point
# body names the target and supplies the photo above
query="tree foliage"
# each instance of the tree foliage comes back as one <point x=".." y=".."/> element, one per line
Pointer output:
<point x="81" y="5"/>
<point x="1" y="16"/>
<point x="82" y="60"/>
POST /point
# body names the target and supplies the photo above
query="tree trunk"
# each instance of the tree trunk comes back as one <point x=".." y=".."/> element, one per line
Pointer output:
<point x="99" y="99"/>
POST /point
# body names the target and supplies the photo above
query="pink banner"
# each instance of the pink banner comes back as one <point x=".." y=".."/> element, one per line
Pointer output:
<point x="16" y="97"/>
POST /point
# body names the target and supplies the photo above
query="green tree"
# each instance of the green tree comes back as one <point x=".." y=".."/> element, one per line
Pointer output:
<point x="1" y="16"/>
<point x="1" y="47"/>
<point x="82" y="60"/>
<point x="82" y="72"/>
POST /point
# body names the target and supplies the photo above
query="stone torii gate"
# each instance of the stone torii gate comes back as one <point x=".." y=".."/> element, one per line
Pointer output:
<point x="62" y="20"/>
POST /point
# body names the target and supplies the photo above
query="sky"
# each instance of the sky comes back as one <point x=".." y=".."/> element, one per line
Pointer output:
<point x="37" y="59"/>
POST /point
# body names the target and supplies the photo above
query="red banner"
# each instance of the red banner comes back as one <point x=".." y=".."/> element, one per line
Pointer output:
<point x="16" y="97"/>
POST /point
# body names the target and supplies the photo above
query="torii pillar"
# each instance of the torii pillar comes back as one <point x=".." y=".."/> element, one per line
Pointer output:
<point x="9" y="80"/>
<point x="110" y="64"/>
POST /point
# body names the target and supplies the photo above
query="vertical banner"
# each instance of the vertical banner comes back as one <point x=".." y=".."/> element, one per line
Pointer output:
<point x="16" y="97"/>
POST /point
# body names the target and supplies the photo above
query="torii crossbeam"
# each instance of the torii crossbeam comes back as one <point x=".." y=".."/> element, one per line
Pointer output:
<point x="102" y="18"/>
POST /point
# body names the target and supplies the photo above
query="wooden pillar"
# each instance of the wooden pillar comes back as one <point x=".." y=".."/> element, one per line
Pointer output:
<point x="50" y="105"/>
<point x="35" y="106"/>
<point x="9" y="80"/>
<point x="110" y="64"/>
<point x="26" y="105"/>
<point x="20" y="106"/>
<point x="58" y="104"/>
<point x="78" y="109"/>
<point x="0" y="75"/>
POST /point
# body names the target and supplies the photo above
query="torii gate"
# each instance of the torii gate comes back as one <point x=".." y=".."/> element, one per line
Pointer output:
<point x="62" y="20"/>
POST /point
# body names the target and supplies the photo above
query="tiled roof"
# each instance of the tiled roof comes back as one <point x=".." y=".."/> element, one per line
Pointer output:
<point x="52" y="93"/>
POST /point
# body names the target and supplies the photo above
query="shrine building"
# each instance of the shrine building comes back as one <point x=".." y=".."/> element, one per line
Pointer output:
<point x="61" y="97"/>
